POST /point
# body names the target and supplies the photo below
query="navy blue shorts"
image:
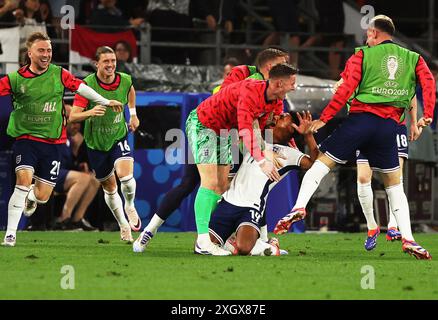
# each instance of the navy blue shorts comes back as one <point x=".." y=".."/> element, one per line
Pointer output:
<point x="374" y="136"/>
<point x="43" y="159"/>
<point x="103" y="162"/>
<point x="227" y="218"/>
<point x="61" y="181"/>
<point x="402" y="144"/>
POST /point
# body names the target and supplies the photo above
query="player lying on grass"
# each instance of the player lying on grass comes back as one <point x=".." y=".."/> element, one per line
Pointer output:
<point x="243" y="205"/>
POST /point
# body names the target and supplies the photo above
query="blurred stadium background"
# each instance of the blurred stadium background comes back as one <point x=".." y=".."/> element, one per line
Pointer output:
<point x="176" y="52"/>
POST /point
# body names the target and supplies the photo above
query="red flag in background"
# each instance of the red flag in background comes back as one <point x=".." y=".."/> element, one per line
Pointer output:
<point x="85" y="41"/>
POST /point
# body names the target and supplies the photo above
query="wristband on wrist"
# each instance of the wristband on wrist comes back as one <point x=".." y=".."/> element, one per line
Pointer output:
<point x="132" y="111"/>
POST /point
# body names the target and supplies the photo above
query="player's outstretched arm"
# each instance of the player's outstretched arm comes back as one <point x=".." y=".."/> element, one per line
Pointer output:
<point x="78" y="114"/>
<point x="90" y="94"/>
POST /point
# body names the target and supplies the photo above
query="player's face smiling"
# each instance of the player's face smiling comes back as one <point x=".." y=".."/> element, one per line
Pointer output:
<point x="40" y="54"/>
<point x="106" y="66"/>
<point x="285" y="86"/>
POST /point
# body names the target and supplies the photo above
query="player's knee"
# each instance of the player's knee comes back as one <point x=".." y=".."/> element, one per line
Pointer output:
<point x="244" y="248"/>
<point x="109" y="186"/>
<point x="211" y="184"/>
<point x="364" y="178"/>
<point x="222" y="187"/>
<point x="84" y="178"/>
<point x="94" y="182"/>
<point x="42" y="196"/>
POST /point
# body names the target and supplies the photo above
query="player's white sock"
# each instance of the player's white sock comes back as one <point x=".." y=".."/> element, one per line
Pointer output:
<point x="128" y="186"/>
<point x="203" y="240"/>
<point x="310" y="183"/>
<point x="392" y="220"/>
<point x="114" y="202"/>
<point x="154" y="224"/>
<point x="260" y="247"/>
<point x="31" y="196"/>
<point x="365" y="195"/>
<point x="400" y="207"/>
<point x="15" y="208"/>
<point x="264" y="233"/>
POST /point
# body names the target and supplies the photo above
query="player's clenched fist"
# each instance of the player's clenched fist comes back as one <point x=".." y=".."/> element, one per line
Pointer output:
<point x="98" y="111"/>
<point x="133" y="123"/>
<point x="115" y="105"/>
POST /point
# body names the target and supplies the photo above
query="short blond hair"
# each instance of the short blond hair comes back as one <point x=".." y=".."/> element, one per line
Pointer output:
<point x="36" y="36"/>
<point x="383" y="23"/>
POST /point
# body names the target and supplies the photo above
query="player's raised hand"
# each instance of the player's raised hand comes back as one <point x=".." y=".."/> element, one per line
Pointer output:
<point x="316" y="125"/>
<point x="98" y="111"/>
<point x="305" y="121"/>
<point x="115" y="105"/>
<point x="269" y="169"/>
<point x="133" y="123"/>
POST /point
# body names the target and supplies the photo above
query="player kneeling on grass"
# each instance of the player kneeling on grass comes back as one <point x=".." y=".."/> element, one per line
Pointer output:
<point x="243" y="205"/>
<point x="105" y="135"/>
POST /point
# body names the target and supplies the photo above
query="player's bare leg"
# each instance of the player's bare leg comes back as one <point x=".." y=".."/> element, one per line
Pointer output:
<point x="76" y="184"/>
<point x="124" y="170"/>
<point x="86" y="199"/>
<point x="114" y="202"/>
<point x="400" y="208"/>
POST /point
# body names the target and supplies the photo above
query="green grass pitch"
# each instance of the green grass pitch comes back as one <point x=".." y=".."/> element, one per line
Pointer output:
<point x="319" y="266"/>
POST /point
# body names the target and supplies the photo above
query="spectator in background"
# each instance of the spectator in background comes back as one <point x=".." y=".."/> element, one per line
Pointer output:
<point x="7" y="18"/>
<point x="215" y="13"/>
<point x="107" y="14"/>
<point x="169" y="14"/>
<point x="229" y="64"/>
<point x="29" y="17"/>
<point x="285" y="18"/>
<point x="28" y="12"/>
<point x="75" y="180"/>
<point x="330" y="29"/>
<point x="123" y="51"/>
<point x="212" y="15"/>
<point x="123" y="55"/>
<point x="47" y="17"/>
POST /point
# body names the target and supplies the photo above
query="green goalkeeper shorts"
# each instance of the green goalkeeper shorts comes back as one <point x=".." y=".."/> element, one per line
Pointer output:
<point x="207" y="147"/>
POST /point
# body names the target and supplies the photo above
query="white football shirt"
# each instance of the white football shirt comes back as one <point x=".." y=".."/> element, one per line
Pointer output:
<point x="250" y="186"/>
